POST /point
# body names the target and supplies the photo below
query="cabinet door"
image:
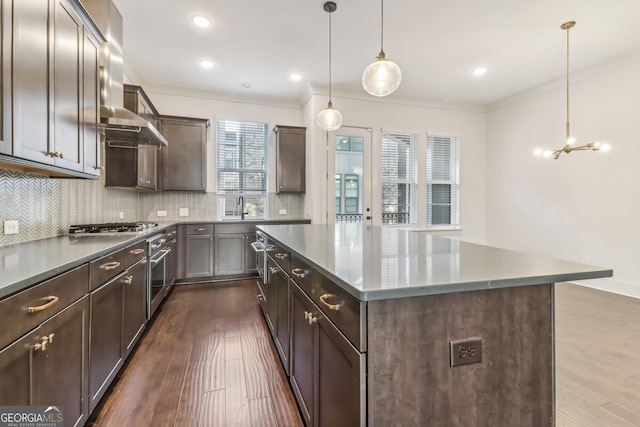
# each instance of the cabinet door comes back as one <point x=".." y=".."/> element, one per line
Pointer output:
<point x="272" y="296"/>
<point x="15" y="371"/>
<point x="91" y="104"/>
<point x="184" y="160"/>
<point x="67" y="60"/>
<point x="60" y="368"/>
<point x="230" y="254"/>
<point x="106" y="354"/>
<point x="5" y="77"/>
<point x="135" y="306"/>
<point x="147" y="169"/>
<point x="199" y="256"/>
<point x="341" y="382"/>
<point x="172" y="262"/>
<point x="250" y="267"/>
<point x="290" y="159"/>
<point x="30" y="52"/>
<point x="281" y="283"/>
<point x="302" y="351"/>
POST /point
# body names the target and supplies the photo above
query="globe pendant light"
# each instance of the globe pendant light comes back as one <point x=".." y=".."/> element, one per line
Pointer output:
<point x="570" y="140"/>
<point x="329" y="119"/>
<point x="381" y="77"/>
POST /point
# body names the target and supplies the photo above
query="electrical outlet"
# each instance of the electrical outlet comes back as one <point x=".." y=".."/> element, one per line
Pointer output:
<point x="121" y="216"/>
<point x="183" y="211"/>
<point x="466" y="351"/>
<point x="584" y="259"/>
<point x="282" y="211"/>
<point x="11" y="227"/>
<point x="161" y="213"/>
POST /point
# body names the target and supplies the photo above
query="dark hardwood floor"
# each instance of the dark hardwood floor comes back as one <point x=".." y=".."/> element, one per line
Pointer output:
<point x="205" y="360"/>
<point x="597" y="358"/>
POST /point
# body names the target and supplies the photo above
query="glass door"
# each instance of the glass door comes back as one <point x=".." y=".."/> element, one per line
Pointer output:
<point x="349" y="172"/>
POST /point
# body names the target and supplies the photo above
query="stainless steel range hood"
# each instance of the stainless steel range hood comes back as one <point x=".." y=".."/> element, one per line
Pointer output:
<point x="118" y="125"/>
<point x="122" y="126"/>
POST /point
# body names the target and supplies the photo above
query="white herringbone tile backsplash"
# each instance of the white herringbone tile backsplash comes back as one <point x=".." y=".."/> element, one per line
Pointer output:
<point x="46" y="207"/>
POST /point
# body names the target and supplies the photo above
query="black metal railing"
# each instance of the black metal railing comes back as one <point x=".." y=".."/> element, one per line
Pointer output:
<point x="387" y="218"/>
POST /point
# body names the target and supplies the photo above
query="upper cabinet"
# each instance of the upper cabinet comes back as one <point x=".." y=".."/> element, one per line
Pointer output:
<point x="290" y="159"/>
<point x="136" y="100"/>
<point x="52" y="58"/>
<point x="184" y="161"/>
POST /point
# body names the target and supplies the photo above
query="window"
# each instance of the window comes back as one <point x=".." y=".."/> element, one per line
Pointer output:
<point x="399" y="178"/>
<point x="242" y="149"/>
<point x="242" y="162"/>
<point x="348" y="178"/>
<point x="443" y="180"/>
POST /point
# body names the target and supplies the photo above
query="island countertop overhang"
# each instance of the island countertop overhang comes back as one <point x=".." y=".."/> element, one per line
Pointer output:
<point x="376" y="263"/>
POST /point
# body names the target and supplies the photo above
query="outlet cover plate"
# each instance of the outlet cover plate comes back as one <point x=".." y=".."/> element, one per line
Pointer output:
<point x="11" y="227"/>
<point x="183" y="211"/>
<point x="465" y="351"/>
<point x="161" y="213"/>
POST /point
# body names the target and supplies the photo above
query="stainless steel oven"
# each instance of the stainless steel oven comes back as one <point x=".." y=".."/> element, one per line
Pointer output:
<point x="158" y="274"/>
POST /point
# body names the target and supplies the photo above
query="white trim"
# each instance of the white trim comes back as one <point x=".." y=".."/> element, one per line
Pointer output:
<point x="617" y="286"/>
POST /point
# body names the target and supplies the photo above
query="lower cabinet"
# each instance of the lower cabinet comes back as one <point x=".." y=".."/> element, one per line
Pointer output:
<point x="234" y="254"/>
<point x="135" y="304"/>
<point x="106" y="353"/>
<point x="328" y="374"/>
<point x="278" y="311"/>
<point x="48" y="366"/>
<point x="199" y="250"/>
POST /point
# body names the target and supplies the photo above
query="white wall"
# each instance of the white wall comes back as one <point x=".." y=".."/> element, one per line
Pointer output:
<point x="406" y="115"/>
<point x="585" y="203"/>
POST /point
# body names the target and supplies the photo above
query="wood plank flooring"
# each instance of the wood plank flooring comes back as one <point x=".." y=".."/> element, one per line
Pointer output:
<point x="205" y="360"/>
<point x="597" y="358"/>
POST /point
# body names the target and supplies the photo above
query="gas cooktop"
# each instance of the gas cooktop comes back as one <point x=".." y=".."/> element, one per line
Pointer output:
<point x="112" y="227"/>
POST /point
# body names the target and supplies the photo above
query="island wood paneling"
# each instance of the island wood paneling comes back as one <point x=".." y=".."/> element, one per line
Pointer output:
<point x="411" y="383"/>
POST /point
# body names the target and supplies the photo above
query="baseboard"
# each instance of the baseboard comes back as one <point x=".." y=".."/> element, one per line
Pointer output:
<point x="616" y="286"/>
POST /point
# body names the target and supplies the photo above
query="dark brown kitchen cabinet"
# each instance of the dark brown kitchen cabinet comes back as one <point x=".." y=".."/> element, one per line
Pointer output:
<point x="134" y="304"/>
<point x="184" y="160"/>
<point x="131" y="167"/>
<point x="290" y="159"/>
<point x="172" y="258"/>
<point x="48" y="364"/>
<point x="278" y="309"/>
<point x="53" y="56"/>
<point x="5" y="77"/>
<point x="327" y="372"/>
<point x="199" y="251"/>
<point x="136" y="100"/>
<point x="234" y="255"/>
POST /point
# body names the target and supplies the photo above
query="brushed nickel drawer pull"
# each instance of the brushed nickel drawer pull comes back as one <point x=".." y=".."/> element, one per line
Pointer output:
<point x="200" y="229"/>
<point x="309" y="316"/>
<point x="274" y="270"/>
<point x="323" y="299"/>
<point x="280" y="256"/>
<point x="42" y="346"/>
<point x="136" y="251"/>
<point x="128" y="280"/>
<point x="110" y="265"/>
<point x="298" y="272"/>
<point x="51" y="300"/>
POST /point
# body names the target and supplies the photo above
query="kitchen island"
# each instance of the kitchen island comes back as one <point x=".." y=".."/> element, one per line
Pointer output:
<point x="431" y="331"/>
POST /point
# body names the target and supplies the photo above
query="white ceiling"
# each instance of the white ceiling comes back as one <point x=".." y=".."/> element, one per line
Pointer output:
<point x="437" y="44"/>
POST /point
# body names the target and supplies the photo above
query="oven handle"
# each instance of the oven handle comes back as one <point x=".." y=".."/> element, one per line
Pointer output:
<point x="257" y="247"/>
<point x="164" y="253"/>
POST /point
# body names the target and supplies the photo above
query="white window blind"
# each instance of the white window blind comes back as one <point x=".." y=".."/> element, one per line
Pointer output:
<point x="242" y="149"/>
<point x="399" y="178"/>
<point x="443" y="180"/>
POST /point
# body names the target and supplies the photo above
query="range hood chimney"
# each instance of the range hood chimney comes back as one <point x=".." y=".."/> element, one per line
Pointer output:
<point x="118" y="125"/>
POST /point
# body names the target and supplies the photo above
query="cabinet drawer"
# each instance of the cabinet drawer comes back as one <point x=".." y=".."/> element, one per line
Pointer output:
<point x="280" y="255"/>
<point x="303" y="274"/>
<point x="107" y="267"/>
<point x="345" y="311"/>
<point x="235" y="228"/>
<point x="29" y="308"/>
<point x="135" y="253"/>
<point x="199" y="228"/>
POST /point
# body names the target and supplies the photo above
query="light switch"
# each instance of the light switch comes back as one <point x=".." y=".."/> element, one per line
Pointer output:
<point x="183" y="211"/>
<point x="11" y="227"/>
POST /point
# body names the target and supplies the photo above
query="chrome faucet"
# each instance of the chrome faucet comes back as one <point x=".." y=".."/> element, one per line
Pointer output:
<point x="240" y="207"/>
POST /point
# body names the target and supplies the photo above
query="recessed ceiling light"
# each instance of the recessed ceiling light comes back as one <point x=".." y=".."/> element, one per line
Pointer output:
<point x="479" y="71"/>
<point x="205" y="63"/>
<point x="245" y="85"/>
<point x="201" y="21"/>
<point x="295" y="76"/>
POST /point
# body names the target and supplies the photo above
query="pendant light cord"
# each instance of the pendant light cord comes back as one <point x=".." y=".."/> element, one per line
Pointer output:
<point x="381" y="25"/>
<point x="567" y="129"/>
<point x="330" y="13"/>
